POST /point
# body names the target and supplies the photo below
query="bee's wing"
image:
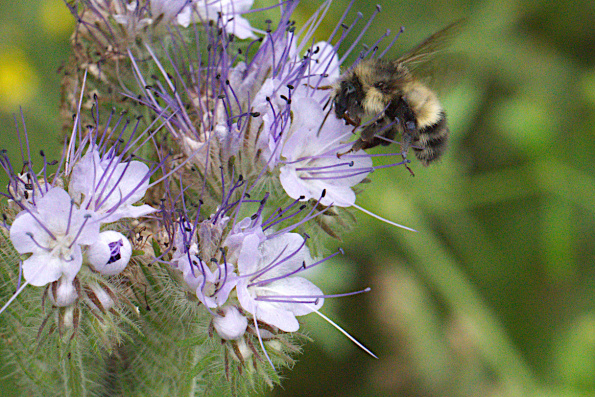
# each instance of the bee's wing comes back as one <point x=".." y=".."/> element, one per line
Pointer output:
<point x="432" y="64"/>
<point x="428" y="49"/>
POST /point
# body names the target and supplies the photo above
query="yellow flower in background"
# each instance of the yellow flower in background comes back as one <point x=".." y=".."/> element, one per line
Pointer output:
<point x="55" y="18"/>
<point x="18" y="79"/>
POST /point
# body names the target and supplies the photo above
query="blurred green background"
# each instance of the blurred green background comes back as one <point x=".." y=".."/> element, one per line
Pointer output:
<point x="494" y="296"/>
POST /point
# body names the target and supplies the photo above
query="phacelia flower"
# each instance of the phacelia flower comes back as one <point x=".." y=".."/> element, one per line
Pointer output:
<point x="211" y="281"/>
<point x="268" y="287"/>
<point x="53" y="232"/>
<point x="169" y="10"/>
<point x="108" y="188"/>
<point x="134" y="16"/>
<point x="227" y="13"/>
<point x="212" y="286"/>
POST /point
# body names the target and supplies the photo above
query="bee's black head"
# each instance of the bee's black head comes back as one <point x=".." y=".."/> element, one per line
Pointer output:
<point x="348" y="98"/>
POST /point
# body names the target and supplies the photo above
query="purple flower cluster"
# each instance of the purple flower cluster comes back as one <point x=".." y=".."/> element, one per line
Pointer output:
<point x="251" y="158"/>
<point x="58" y="221"/>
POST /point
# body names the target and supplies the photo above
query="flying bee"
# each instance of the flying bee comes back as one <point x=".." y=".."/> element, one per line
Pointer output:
<point x="389" y="93"/>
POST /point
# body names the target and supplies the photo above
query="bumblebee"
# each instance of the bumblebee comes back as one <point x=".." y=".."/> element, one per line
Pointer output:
<point x="388" y="92"/>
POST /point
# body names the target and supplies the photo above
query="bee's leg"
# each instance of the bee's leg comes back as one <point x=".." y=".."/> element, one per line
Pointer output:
<point x="403" y="115"/>
<point x="320" y="87"/>
<point x="405" y="145"/>
<point x="379" y="132"/>
<point x="370" y="132"/>
<point x="409" y="129"/>
<point x="357" y="145"/>
<point x="354" y="121"/>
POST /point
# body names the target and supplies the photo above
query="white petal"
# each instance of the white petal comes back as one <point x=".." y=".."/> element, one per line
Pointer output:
<point x="284" y="250"/>
<point x="84" y="175"/>
<point x="250" y="256"/>
<point x="240" y="27"/>
<point x="267" y="312"/>
<point x="41" y="269"/>
<point x="326" y="60"/>
<point x="297" y="286"/>
<point x="128" y="211"/>
<point x="22" y="225"/>
<point x="131" y="179"/>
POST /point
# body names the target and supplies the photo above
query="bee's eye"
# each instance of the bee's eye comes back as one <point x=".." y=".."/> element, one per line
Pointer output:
<point x="381" y="85"/>
<point x="349" y="89"/>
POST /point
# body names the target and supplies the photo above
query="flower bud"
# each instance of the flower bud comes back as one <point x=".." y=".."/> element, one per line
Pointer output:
<point x="110" y="254"/>
<point x="98" y="295"/>
<point x="231" y="325"/>
<point x="62" y="293"/>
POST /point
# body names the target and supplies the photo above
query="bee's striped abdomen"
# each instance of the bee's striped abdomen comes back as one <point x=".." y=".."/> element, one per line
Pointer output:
<point x="431" y="141"/>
